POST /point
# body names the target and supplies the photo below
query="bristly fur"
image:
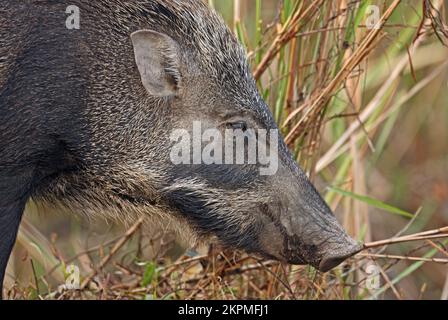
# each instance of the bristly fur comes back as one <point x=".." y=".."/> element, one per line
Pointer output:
<point x="93" y="66"/>
<point x="80" y="130"/>
<point x="193" y="24"/>
<point x="197" y="27"/>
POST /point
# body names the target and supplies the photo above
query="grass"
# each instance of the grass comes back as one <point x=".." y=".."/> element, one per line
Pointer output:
<point x="363" y="112"/>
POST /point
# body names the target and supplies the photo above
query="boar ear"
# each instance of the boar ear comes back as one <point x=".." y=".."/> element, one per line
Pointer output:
<point x="157" y="59"/>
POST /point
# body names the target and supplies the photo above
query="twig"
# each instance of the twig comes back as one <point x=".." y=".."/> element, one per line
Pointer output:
<point x="112" y="252"/>
<point x="84" y="252"/>
<point x="390" y="256"/>
<point x="286" y="285"/>
<point x="429" y="232"/>
<point x="391" y="285"/>
<point x="438" y="247"/>
<point x="235" y="271"/>
<point x="186" y="261"/>
<point x="385" y="242"/>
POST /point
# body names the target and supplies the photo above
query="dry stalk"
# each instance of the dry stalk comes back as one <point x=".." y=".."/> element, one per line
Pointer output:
<point x="287" y="33"/>
<point x="354" y="60"/>
<point x="431" y="234"/>
<point x="398" y="257"/>
<point x="113" y="251"/>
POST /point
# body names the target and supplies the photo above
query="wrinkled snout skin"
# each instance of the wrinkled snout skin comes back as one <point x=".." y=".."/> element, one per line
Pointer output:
<point x="306" y="231"/>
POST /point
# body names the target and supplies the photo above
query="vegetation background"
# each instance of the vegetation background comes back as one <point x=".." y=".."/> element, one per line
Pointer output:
<point x="359" y="90"/>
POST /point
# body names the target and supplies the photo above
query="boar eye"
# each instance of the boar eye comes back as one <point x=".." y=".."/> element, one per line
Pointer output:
<point x="240" y="125"/>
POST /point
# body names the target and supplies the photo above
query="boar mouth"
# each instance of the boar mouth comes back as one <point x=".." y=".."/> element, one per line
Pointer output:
<point x="324" y="257"/>
<point x="328" y="263"/>
<point x="325" y="264"/>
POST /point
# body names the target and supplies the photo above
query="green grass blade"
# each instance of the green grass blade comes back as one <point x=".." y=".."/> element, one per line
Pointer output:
<point x="373" y="202"/>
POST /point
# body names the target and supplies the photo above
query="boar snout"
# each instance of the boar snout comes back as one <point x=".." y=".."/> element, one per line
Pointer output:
<point x="303" y="230"/>
<point x="323" y="242"/>
<point x="325" y="254"/>
<point x="319" y="241"/>
<point x="334" y="258"/>
<point x="328" y="245"/>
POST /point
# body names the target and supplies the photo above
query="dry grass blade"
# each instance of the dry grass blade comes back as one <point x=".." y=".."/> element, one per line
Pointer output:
<point x="439" y="27"/>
